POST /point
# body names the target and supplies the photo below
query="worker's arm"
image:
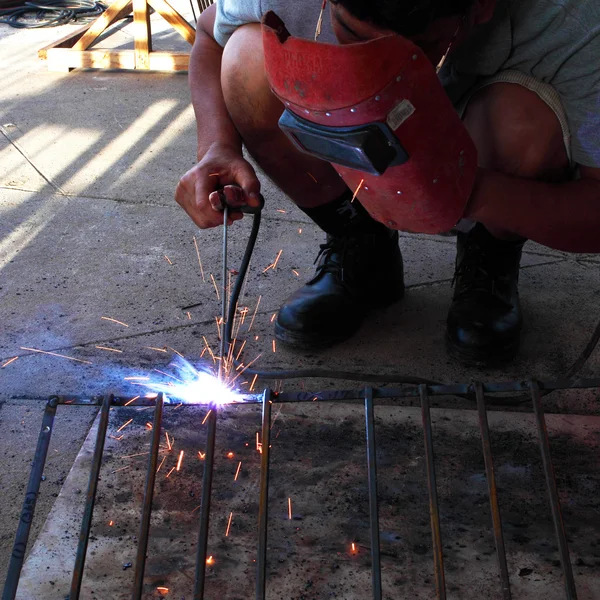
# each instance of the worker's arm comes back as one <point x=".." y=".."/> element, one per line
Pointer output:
<point x="220" y="160"/>
<point x="565" y="216"/>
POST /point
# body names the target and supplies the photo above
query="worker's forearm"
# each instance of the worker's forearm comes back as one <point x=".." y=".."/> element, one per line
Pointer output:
<point x="214" y="125"/>
<point x="565" y="216"/>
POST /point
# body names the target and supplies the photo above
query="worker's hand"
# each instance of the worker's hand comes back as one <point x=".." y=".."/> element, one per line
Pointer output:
<point x="223" y="171"/>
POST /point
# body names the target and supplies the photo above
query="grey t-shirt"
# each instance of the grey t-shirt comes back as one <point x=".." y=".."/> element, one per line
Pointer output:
<point x="554" y="41"/>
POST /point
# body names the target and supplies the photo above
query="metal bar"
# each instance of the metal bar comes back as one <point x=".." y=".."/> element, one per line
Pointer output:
<point x="86" y="523"/>
<point x="491" y="479"/>
<point x="31" y="495"/>
<point x="263" y="507"/>
<point x="373" y="505"/>
<point x="140" y="560"/>
<point x="434" y="511"/>
<point x="563" y="547"/>
<point x="209" y="462"/>
<point x="406" y="391"/>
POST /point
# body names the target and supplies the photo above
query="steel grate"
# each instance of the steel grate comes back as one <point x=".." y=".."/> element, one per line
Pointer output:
<point x="479" y="391"/>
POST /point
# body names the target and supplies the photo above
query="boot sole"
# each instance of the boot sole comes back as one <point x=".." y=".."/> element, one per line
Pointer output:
<point x="317" y="341"/>
<point x="478" y="358"/>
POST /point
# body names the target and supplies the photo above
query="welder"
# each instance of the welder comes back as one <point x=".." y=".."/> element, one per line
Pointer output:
<point x="507" y="150"/>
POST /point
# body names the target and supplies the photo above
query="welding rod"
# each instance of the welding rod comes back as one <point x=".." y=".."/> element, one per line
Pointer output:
<point x="33" y="487"/>
<point x="559" y="526"/>
<point x="86" y="523"/>
<point x="373" y="505"/>
<point x="140" y="560"/>
<point x="263" y="511"/>
<point x="225" y="294"/>
<point x="493" y="492"/>
<point x="434" y="511"/>
<point x="209" y="461"/>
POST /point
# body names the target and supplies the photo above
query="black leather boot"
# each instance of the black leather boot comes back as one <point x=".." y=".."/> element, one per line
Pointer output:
<point x="355" y="273"/>
<point x="484" y="322"/>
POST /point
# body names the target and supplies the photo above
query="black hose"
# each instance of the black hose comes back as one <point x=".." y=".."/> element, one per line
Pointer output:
<point x="50" y="13"/>
<point x="363" y="377"/>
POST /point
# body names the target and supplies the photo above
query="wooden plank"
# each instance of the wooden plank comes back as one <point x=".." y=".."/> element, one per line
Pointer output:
<point x="169" y="14"/>
<point x="117" y="10"/>
<point x="63" y="59"/>
<point x="141" y="34"/>
<point x="169" y="61"/>
<point x="65" y="42"/>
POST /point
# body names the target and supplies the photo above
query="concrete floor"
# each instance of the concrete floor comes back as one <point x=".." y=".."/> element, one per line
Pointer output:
<point x="88" y="166"/>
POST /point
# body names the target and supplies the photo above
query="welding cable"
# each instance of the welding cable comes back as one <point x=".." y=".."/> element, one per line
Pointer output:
<point x="363" y="377"/>
<point x="50" y="13"/>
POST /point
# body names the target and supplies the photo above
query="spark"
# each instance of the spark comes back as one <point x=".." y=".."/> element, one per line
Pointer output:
<point x="87" y="362"/>
<point x="280" y="210"/>
<point x="210" y="560"/>
<point x="164" y="350"/>
<point x="9" y="361"/>
<point x="201" y="455"/>
<point x="169" y="445"/>
<point x="209" y="348"/>
<point x="215" y="285"/>
<point x="189" y="315"/>
<point x="357" y="190"/>
<point x="135" y="455"/>
<point x="136" y="378"/>
<point x="274" y="346"/>
<point x="312" y="177"/>
<point x="253" y="381"/>
<point x="109" y="349"/>
<point x="214" y="175"/>
<point x="124" y="425"/>
<point x="161" y="463"/>
<point x="237" y="473"/>
<point x="121" y="469"/>
<point x="149" y="426"/>
<point x="169" y="473"/>
<point x="168" y="259"/>
<point x="203" y="352"/>
<point x="353" y="548"/>
<point x="180" y="460"/>
<point x="162" y="590"/>
<point x="254" y="315"/>
<point x="240" y="350"/>
<point x="230" y="455"/>
<point x="229" y="524"/>
<point x="273" y="317"/>
<point x="173" y="349"/>
<point x="299" y="230"/>
<point x="199" y="261"/>
<point x="111" y="523"/>
<point x="206" y="417"/>
<point x="277" y="259"/>
<point x="219" y="320"/>
<point x="258" y="443"/>
<point x="178" y="406"/>
<point x="131" y="401"/>
<point x="197" y="507"/>
<point x="168" y="375"/>
<point x="116" y="438"/>
<point x="115" y="321"/>
<point x="290" y="509"/>
<point x="295" y="273"/>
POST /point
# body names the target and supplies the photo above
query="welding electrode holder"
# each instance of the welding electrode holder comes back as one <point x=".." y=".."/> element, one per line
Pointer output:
<point x="245" y="209"/>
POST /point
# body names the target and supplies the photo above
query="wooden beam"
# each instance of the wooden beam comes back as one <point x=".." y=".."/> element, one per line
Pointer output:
<point x="117" y="10"/>
<point x="142" y="35"/>
<point x="63" y="59"/>
<point x="169" y="14"/>
<point x="64" y="42"/>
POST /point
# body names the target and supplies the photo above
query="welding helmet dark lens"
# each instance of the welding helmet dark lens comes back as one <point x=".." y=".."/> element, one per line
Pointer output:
<point x="371" y="148"/>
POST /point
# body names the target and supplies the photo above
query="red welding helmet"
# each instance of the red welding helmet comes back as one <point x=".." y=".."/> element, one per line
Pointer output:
<point x="377" y="111"/>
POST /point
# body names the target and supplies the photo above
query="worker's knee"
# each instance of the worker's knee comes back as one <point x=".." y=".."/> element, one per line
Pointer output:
<point x="517" y="133"/>
<point x="252" y="106"/>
